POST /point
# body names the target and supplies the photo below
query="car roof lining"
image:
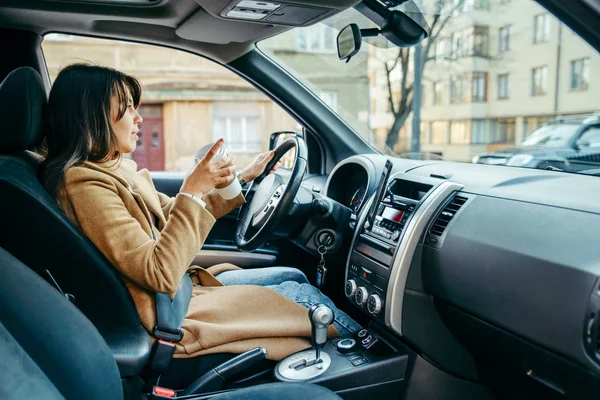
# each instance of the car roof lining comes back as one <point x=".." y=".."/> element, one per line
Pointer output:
<point x="191" y="25"/>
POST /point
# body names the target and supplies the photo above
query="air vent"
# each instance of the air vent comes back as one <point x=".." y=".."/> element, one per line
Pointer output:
<point x="442" y="221"/>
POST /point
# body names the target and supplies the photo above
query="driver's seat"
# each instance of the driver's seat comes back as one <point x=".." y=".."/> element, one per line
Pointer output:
<point x="37" y="232"/>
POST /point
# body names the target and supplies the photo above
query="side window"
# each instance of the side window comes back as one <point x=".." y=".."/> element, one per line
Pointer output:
<point x="590" y="138"/>
<point x="187" y="101"/>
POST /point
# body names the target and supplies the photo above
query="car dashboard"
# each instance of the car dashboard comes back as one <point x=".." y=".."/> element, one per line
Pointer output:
<point x="490" y="272"/>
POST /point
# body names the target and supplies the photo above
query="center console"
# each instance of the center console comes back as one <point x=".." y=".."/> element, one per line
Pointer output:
<point x="371" y="261"/>
<point x="384" y="243"/>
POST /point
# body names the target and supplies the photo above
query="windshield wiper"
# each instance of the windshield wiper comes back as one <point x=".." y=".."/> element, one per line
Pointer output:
<point x="551" y="168"/>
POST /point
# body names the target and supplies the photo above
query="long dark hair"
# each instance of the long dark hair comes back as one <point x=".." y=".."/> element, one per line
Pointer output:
<point x="77" y="120"/>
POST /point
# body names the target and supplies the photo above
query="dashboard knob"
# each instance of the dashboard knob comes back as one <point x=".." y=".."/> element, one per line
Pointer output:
<point x="345" y="346"/>
<point x="374" y="304"/>
<point x="361" y="296"/>
<point x="351" y="287"/>
<point x="395" y="235"/>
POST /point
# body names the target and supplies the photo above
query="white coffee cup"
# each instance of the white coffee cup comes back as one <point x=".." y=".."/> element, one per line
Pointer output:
<point x="232" y="189"/>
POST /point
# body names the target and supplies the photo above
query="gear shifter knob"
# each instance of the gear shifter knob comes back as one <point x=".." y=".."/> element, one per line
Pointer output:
<point x="321" y="316"/>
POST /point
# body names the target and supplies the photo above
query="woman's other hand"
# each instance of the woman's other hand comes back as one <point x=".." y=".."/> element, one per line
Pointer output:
<point x="209" y="173"/>
<point x="258" y="165"/>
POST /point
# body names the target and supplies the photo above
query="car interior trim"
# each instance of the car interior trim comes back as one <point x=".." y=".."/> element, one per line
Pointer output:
<point x="406" y="249"/>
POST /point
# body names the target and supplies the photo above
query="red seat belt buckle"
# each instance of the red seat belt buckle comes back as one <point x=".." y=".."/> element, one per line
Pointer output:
<point x="163" y="393"/>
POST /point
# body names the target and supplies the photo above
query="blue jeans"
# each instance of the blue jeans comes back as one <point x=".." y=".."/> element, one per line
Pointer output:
<point x="291" y="283"/>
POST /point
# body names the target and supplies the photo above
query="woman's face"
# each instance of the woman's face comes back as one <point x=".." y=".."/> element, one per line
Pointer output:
<point x="126" y="128"/>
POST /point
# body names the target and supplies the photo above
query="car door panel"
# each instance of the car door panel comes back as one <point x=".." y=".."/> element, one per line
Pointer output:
<point x="219" y="246"/>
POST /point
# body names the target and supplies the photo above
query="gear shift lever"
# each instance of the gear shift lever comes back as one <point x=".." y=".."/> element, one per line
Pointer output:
<point x="321" y="316"/>
<point x="308" y="364"/>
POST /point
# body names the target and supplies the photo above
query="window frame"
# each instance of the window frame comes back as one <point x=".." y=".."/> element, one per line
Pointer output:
<point x="543" y="30"/>
<point x="504" y="39"/>
<point x="584" y="74"/>
<point x="544" y="89"/>
<point x="479" y="81"/>
<point x="505" y="78"/>
<point x="438" y="93"/>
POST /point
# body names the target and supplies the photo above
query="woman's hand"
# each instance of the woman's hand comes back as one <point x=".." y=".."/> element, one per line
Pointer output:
<point x="208" y="173"/>
<point x="258" y="165"/>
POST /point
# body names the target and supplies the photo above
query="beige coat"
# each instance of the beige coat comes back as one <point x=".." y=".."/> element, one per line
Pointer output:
<point x="112" y="205"/>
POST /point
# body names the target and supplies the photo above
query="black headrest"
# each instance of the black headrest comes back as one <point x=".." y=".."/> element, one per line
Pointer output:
<point x="22" y="102"/>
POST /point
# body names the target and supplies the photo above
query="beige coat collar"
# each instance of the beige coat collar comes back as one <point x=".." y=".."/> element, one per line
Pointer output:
<point x="125" y="171"/>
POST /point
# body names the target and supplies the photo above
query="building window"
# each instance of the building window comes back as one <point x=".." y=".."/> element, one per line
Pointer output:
<point x="479" y="87"/>
<point x="457" y="89"/>
<point x="470" y="5"/>
<point x="438" y="132"/>
<point x="318" y="38"/>
<point x="441" y="49"/>
<point x="541" y="28"/>
<point x="502" y="86"/>
<point x="481" y="4"/>
<point x="580" y="74"/>
<point x="504" y="35"/>
<point x="238" y="124"/>
<point x="478" y="131"/>
<point x="470" y="42"/>
<point x="480" y="41"/>
<point x="459" y="133"/>
<point x="438" y="92"/>
<point x="503" y="131"/>
<point x="459" y="45"/>
<point x="539" y="78"/>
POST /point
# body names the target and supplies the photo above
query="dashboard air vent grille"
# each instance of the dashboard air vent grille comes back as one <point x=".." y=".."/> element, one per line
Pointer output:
<point x="446" y="215"/>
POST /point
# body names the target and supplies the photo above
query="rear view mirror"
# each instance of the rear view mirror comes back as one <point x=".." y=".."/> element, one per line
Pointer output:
<point x="403" y="28"/>
<point x="348" y="42"/>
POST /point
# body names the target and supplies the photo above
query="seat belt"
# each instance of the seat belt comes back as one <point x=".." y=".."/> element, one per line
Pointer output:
<point x="170" y="315"/>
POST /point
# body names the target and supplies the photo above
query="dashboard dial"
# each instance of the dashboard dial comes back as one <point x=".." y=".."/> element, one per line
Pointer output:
<point x="356" y="199"/>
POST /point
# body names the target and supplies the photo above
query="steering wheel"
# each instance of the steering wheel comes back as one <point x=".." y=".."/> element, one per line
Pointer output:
<point x="270" y="197"/>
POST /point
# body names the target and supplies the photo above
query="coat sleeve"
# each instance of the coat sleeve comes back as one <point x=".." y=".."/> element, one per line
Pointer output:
<point x="155" y="265"/>
<point x="215" y="204"/>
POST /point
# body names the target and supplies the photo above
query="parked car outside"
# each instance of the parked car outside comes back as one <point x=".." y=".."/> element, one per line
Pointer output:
<point x="570" y="144"/>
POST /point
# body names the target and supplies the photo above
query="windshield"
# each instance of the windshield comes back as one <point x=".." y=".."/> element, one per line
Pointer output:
<point x="551" y="136"/>
<point x="493" y="73"/>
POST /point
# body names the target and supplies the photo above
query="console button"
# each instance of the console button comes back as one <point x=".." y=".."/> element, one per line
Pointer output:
<point x="367" y="340"/>
<point x="374" y="304"/>
<point x="346" y="345"/>
<point x="361" y="296"/>
<point x="362" y="333"/>
<point x="366" y="274"/>
<point x="350" y="288"/>
<point x="359" y="361"/>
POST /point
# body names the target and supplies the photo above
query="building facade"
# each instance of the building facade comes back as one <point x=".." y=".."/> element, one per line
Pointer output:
<point x="499" y="69"/>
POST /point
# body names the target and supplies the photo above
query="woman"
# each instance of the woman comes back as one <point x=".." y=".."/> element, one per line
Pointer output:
<point x="150" y="238"/>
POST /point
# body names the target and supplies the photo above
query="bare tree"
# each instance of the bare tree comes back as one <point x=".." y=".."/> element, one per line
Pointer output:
<point x="402" y="108"/>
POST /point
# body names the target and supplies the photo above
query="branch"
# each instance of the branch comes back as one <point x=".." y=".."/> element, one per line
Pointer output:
<point x="389" y="87"/>
<point x="395" y="60"/>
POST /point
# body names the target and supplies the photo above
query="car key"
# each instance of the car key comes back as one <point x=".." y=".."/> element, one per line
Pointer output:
<point x="321" y="268"/>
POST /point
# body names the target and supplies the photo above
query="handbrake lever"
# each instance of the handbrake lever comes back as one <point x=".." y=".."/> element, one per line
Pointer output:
<point x="215" y="379"/>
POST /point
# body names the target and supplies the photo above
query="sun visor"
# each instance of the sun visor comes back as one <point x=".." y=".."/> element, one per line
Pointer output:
<point x="273" y="12"/>
<point x="203" y="27"/>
